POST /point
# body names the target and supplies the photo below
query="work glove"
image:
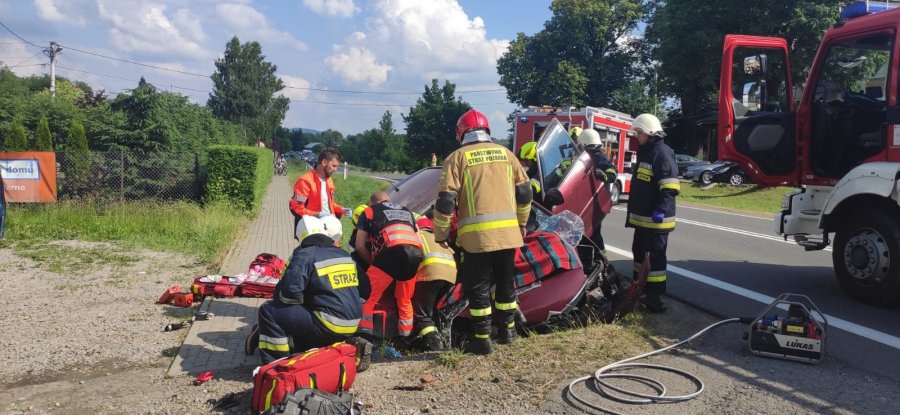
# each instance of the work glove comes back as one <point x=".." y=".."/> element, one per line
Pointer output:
<point x="658" y="216"/>
<point x="601" y="175"/>
<point x="348" y="212"/>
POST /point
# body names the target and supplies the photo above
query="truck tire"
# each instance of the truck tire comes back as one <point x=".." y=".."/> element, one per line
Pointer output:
<point x="866" y="256"/>
<point x="614" y="193"/>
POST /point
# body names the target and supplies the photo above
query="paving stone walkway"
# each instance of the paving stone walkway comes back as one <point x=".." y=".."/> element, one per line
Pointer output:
<point x="218" y="343"/>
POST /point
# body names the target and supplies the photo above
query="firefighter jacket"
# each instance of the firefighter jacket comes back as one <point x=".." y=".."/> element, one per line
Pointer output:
<point x="307" y="198"/>
<point x="654" y="185"/>
<point x="487" y="187"/>
<point x="323" y="279"/>
<point x="438" y="263"/>
<point x="602" y="164"/>
<point x="388" y="225"/>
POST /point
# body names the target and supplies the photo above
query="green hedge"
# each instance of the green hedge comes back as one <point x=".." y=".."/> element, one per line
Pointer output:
<point x="239" y="175"/>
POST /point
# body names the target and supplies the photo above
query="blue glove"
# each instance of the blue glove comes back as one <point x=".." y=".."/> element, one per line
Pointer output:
<point x="658" y="216"/>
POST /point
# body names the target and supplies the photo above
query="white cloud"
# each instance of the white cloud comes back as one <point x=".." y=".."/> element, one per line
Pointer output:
<point x="340" y="8"/>
<point x="253" y="25"/>
<point x="358" y="65"/>
<point x="294" y="93"/>
<point x="70" y="11"/>
<point x="145" y="28"/>
<point x="18" y="55"/>
<point x="424" y="40"/>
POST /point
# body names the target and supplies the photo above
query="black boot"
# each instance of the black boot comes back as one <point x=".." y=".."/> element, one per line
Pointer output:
<point x="363" y="352"/>
<point x="252" y="341"/>
<point x="653" y="303"/>
<point x="479" y="346"/>
<point x="507" y="335"/>
<point x="434" y="342"/>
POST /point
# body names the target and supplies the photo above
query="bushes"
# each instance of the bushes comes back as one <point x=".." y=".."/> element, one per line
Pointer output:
<point x="238" y="175"/>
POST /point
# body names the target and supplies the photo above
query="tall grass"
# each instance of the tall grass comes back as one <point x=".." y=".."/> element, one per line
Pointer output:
<point x="200" y="232"/>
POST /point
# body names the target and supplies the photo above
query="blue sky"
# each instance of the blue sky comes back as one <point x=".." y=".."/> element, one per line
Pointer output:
<point x="393" y="46"/>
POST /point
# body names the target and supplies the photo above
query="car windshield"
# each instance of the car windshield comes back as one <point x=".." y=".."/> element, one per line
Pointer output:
<point x="417" y="191"/>
<point x="556" y="152"/>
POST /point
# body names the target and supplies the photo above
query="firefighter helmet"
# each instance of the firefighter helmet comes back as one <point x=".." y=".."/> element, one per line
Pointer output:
<point x="425" y="223"/>
<point x="528" y="151"/>
<point x="309" y="225"/>
<point x="333" y="228"/>
<point x="356" y="212"/>
<point x="469" y="121"/>
<point x="648" y="124"/>
<point x="574" y="132"/>
<point x="589" y="137"/>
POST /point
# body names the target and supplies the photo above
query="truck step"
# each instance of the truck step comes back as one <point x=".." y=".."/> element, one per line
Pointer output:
<point x="811" y="245"/>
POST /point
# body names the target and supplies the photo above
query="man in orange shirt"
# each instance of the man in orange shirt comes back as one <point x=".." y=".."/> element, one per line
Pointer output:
<point x="314" y="191"/>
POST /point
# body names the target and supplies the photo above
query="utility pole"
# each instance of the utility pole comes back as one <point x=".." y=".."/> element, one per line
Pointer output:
<point x="52" y="51"/>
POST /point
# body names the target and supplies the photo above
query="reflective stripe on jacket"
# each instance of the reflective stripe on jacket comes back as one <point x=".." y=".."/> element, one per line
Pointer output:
<point x="324" y="280"/>
<point x="307" y="199"/>
<point x="482" y="177"/>
<point x="438" y="263"/>
<point x="654" y="185"/>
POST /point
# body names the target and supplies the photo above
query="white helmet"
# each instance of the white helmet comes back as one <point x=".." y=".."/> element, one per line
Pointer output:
<point x="309" y="225"/>
<point x="589" y="137"/>
<point x="648" y="124"/>
<point x="333" y="228"/>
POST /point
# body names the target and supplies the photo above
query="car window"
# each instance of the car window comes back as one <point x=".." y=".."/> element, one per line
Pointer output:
<point x="417" y="191"/>
<point x="555" y="152"/>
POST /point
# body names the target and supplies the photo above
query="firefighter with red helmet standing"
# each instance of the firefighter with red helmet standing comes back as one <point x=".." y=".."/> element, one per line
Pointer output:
<point x="651" y="205"/>
<point x="489" y="191"/>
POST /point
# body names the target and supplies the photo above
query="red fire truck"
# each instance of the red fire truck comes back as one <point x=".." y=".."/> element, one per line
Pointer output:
<point x="839" y="143"/>
<point x="614" y="128"/>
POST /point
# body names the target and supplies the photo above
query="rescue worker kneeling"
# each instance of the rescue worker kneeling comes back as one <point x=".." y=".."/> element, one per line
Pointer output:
<point x="387" y="240"/>
<point x="316" y="303"/>
<point x="436" y="276"/>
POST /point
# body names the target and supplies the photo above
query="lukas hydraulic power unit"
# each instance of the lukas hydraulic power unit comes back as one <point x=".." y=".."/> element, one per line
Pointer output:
<point x="792" y="328"/>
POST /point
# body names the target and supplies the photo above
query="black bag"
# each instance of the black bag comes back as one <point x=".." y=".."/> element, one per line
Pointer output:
<point x="315" y="402"/>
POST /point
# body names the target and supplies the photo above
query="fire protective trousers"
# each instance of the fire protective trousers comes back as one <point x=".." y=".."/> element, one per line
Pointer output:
<point x="280" y="323"/>
<point x="480" y="271"/>
<point x="655" y="243"/>
<point x="424" y="299"/>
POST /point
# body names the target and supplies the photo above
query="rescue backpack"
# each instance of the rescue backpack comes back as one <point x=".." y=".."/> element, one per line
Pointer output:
<point x="269" y="265"/>
<point x="316" y="402"/>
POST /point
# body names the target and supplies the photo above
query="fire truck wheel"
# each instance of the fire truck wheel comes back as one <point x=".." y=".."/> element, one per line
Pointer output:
<point x="867" y="256"/>
<point x="614" y="192"/>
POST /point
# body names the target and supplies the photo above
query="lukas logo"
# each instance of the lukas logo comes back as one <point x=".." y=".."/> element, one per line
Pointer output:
<point x="794" y="344"/>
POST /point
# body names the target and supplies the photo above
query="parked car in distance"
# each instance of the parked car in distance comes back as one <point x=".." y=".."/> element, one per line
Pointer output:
<point x="703" y="172"/>
<point x="684" y="161"/>
<point x="730" y="173"/>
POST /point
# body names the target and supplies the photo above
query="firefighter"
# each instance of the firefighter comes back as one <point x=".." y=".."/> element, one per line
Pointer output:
<point x="386" y="240"/>
<point x="436" y="276"/>
<point x="651" y="205"/>
<point x="364" y="286"/>
<point x="528" y="160"/>
<point x="604" y="170"/>
<point x="489" y="191"/>
<point x="316" y="303"/>
<point x="314" y="191"/>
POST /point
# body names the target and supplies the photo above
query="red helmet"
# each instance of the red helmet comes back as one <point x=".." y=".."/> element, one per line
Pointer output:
<point x="471" y="120"/>
<point x="425" y="223"/>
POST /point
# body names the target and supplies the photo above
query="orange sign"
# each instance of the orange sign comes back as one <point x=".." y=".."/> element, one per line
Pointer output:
<point x="29" y="176"/>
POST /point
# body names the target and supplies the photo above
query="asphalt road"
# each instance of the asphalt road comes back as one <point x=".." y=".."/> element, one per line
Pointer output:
<point x="733" y="265"/>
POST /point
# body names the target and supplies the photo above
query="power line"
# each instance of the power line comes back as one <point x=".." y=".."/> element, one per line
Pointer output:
<point x="27" y="59"/>
<point x="345" y="91"/>
<point x="17" y="35"/>
<point x="136" y="63"/>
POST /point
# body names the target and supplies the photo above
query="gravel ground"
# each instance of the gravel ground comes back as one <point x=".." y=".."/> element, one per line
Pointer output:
<point x="90" y="341"/>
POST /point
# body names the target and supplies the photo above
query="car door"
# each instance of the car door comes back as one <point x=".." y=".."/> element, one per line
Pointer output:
<point x="564" y="167"/>
<point x="756" y="118"/>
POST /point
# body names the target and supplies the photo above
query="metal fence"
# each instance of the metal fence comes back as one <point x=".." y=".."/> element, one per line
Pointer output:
<point x="123" y="175"/>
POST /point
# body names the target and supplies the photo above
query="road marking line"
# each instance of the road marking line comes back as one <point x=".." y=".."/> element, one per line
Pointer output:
<point x="859" y="330"/>
<point x="738" y="231"/>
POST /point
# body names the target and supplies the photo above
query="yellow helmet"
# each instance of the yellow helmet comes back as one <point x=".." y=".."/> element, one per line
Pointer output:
<point x="574" y="132"/>
<point x="356" y="212"/>
<point x="528" y="151"/>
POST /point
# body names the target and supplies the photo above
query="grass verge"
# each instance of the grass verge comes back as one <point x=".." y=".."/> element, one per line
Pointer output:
<point x="751" y="198"/>
<point x="203" y="233"/>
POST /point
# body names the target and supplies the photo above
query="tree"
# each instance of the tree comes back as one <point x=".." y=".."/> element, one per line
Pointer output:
<point x="42" y="139"/>
<point x="431" y="123"/>
<point x="77" y="140"/>
<point x="16" y="139"/>
<point x="686" y="39"/>
<point x="75" y="177"/>
<point x="331" y="138"/>
<point x="244" y="88"/>
<point x="580" y="57"/>
<point x="393" y="153"/>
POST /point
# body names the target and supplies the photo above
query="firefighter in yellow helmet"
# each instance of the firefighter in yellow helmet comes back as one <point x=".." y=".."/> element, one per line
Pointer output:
<point x="489" y="191"/>
<point x="528" y="160"/>
<point x="651" y="205"/>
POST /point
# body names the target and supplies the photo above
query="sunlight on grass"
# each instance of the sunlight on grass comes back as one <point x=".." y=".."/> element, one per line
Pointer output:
<point x="747" y="198"/>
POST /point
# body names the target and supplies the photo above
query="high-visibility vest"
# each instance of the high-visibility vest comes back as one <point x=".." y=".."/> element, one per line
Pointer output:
<point x="390" y="225"/>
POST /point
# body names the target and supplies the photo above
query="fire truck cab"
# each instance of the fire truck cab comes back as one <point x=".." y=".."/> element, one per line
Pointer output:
<point x="838" y="142"/>
<point x="614" y="128"/>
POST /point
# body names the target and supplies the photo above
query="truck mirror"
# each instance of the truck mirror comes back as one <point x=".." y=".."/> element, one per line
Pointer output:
<point x="755" y="65"/>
